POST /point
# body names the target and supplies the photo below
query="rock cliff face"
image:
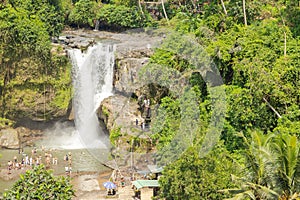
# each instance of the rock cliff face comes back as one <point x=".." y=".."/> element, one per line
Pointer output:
<point x="118" y="111"/>
<point x="122" y="109"/>
<point x="126" y="71"/>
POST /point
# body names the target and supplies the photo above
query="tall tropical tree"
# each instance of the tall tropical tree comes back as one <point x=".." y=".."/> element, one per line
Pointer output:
<point x="287" y="150"/>
<point x="271" y="169"/>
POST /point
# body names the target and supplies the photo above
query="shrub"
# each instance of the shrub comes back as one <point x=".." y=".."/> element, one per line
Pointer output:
<point x="40" y="183"/>
<point x="120" y="17"/>
<point x="115" y="134"/>
<point x="83" y="14"/>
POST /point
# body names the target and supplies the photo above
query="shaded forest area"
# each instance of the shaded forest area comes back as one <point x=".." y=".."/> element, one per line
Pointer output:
<point x="255" y="47"/>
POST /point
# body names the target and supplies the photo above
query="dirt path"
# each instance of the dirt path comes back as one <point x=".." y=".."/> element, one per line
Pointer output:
<point x="90" y="187"/>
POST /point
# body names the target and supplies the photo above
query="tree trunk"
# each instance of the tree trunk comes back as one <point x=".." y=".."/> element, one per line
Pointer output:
<point x="272" y="108"/>
<point x="244" y="11"/>
<point x="224" y="8"/>
<point x="140" y="6"/>
<point x="284" y="34"/>
<point x="165" y="13"/>
<point x="284" y="53"/>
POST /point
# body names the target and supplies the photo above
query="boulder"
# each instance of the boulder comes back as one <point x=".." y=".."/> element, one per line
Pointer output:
<point x="119" y="111"/>
<point x="19" y="137"/>
<point x="9" y="138"/>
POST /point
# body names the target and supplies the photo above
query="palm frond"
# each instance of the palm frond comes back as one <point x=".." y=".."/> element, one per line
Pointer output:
<point x="243" y="195"/>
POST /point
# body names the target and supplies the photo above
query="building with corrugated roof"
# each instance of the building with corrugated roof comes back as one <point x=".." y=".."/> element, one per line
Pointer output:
<point x="146" y="189"/>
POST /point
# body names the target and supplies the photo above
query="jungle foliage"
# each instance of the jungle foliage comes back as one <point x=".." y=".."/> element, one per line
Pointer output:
<point x="40" y="183"/>
<point x="249" y="97"/>
<point x="259" y="65"/>
<point x="31" y="69"/>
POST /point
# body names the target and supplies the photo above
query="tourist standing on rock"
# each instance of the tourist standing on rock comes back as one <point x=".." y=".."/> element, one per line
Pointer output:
<point x="70" y="171"/>
<point x="15" y="159"/>
<point x="66" y="158"/>
<point x="37" y="162"/>
<point x="122" y="182"/>
<point x="17" y="166"/>
<point x="40" y="159"/>
<point x="70" y="159"/>
<point x="26" y="160"/>
<point x="9" y="166"/>
<point x="50" y="157"/>
<point x="143" y="125"/>
<point x="33" y="152"/>
<point x="54" y="160"/>
<point x="148" y="112"/>
<point x="30" y="161"/>
<point x="67" y="170"/>
<point x="47" y="160"/>
<point x="23" y="162"/>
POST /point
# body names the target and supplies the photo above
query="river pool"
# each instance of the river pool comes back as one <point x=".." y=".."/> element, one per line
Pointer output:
<point x="83" y="160"/>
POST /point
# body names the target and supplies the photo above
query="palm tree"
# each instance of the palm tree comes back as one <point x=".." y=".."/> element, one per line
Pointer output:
<point x="272" y="168"/>
<point x="257" y="181"/>
<point x="287" y="152"/>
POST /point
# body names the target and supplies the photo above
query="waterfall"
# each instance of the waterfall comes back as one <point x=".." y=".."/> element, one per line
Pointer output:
<point x="92" y="82"/>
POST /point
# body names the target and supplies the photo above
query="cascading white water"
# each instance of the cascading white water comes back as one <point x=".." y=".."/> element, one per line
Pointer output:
<point x="92" y="81"/>
<point x="97" y="25"/>
<point x="92" y="75"/>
